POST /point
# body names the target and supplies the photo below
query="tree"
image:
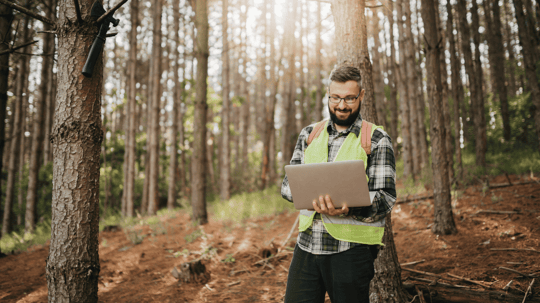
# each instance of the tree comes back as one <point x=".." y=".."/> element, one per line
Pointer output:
<point x="225" y="169"/>
<point x="14" y="152"/>
<point x="444" y="220"/>
<point x="198" y="183"/>
<point x="392" y="70"/>
<point x="38" y="125"/>
<point x="131" y="112"/>
<point x="318" y="67"/>
<point x="457" y="87"/>
<point x="154" y="130"/>
<point x="529" y="58"/>
<point x="386" y="286"/>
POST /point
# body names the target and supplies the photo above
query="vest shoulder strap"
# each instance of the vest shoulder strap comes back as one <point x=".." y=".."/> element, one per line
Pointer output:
<point x="317" y="129"/>
<point x="365" y="131"/>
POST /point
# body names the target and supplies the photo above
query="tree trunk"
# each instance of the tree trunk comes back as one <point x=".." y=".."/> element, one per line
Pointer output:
<point x="444" y="220"/>
<point x="22" y="145"/>
<point x="528" y="50"/>
<point x="392" y="106"/>
<point x="288" y="127"/>
<point x="318" y="67"/>
<point x="386" y="285"/>
<point x="14" y="145"/>
<point x="6" y="17"/>
<point x="154" y="131"/>
<point x="404" y="102"/>
<point x="198" y="194"/>
<point x="73" y="264"/>
<point x="457" y="89"/>
<point x="39" y="126"/>
<point x="177" y="99"/>
<point x="511" y="78"/>
<point x="225" y="165"/>
<point x="496" y="55"/>
<point x="378" y="82"/>
<point x="465" y="33"/>
<point x="478" y="108"/>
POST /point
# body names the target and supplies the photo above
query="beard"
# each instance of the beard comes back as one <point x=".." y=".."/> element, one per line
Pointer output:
<point x="344" y="122"/>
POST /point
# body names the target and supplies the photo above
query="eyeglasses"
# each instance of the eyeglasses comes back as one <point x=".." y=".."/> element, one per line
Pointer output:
<point x="349" y="100"/>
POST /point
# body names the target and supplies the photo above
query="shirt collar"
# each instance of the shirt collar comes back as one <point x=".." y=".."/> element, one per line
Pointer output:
<point x="355" y="127"/>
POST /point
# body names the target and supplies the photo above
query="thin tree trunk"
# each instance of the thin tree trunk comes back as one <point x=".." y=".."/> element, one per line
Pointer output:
<point x="444" y="220"/>
<point x="6" y="17"/>
<point x="378" y="82"/>
<point x="318" y="67"/>
<point x="465" y="33"/>
<point x="404" y="102"/>
<point x="392" y="106"/>
<point x="457" y="89"/>
<point x="177" y="99"/>
<point x="511" y="78"/>
<point x="22" y="148"/>
<point x="198" y="194"/>
<point x="14" y="153"/>
<point x="225" y="165"/>
<point x="529" y="57"/>
<point x="131" y="114"/>
<point x="154" y="131"/>
<point x="38" y="127"/>
<point x="386" y="286"/>
<point x="73" y="268"/>
<point x="479" y="117"/>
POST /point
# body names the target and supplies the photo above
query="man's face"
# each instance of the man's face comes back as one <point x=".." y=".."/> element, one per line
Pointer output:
<point x="342" y="113"/>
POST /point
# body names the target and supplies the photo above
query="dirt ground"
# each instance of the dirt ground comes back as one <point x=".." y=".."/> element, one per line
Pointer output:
<point x="142" y="272"/>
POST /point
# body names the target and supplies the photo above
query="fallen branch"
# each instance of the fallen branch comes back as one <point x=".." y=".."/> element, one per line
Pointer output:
<point x="441" y="293"/>
<point x="420" y="294"/>
<point x="234" y="283"/>
<point x="469" y="280"/>
<point x="517" y="272"/>
<point x="409" y="198"/>
<point x="290" y="232"/>
<point x="28" y="12"/>
<point x="500" y="212"/>
<point x="425" y="273"/>
<point x="527" y="292"/>
<point x="516" y="249"/>
<point x="436" y="282"/>
<point x="412" y="263"/>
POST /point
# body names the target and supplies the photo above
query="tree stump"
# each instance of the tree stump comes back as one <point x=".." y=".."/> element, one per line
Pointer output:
<point x="192" y="272"/>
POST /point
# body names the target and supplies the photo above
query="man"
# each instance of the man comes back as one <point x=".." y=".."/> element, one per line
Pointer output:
<point x="321" y="263"/>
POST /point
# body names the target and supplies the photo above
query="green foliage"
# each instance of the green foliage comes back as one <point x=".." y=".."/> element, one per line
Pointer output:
<point x="17" y="241"/>
<point x="249" y="205"/>
<point x="194" y="235"/>
<point x="229" y="259"/>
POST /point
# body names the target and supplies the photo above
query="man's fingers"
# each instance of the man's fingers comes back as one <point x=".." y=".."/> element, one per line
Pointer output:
<point x="345" y="209"/>
<point x="324" y="207"/>
<point x="316" y="206"/>
<point x="329" y="202"/>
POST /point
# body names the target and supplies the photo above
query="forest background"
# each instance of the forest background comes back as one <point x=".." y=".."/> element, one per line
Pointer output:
<point x="268" y="64"/>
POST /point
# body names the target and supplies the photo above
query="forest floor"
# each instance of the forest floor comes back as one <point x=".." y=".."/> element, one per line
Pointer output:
<point x="142" y="272"/>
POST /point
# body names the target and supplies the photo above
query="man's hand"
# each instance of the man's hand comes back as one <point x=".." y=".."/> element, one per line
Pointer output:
<point x="327" y="207"/>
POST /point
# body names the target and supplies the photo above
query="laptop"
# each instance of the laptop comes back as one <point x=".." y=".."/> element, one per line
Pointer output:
<point x="344" y="181"/>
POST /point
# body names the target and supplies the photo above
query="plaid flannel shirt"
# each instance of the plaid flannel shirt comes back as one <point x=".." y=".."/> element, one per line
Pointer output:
<point x="381" y="170"/>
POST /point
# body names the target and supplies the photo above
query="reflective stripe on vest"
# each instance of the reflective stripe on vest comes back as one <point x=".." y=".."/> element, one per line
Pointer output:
<point x="344" y="229"/>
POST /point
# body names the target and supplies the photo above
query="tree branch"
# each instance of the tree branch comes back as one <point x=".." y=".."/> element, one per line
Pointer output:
<point x="28" y="12"/>
<point x="11" y="50"/>
<point x="109" y="12"/>
<point x="78" y="10"/>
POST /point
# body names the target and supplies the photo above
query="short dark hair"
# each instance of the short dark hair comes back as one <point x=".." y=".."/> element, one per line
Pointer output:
<point x="343" y="74"/>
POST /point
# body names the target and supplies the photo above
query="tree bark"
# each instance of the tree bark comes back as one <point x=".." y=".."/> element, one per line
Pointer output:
<point x="511" y="77"/>
<point x="392" y="82"/>
<point x="529" y="57"/>
<point x="38" y="127"/>
<point x="457" y="89"/>
<point x="478" y="108"/>
<point x="154" y="131"/>
<point x="6" y="17"/>
<point x="198" y="194"/>
<point x="177" y="99"/>
<point x="73" y="264"/>
<point x="352" y="38"/>
<point x="14" y="152"/>
<point x="22" y="150"/>
<point x="444" y="220"/>
<point x="404" y="102"/>
<point x="225" y="165"/>
<point x="318" y="67"/>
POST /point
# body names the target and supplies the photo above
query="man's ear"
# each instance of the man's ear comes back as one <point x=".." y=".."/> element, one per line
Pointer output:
<point x="362" y="93"/>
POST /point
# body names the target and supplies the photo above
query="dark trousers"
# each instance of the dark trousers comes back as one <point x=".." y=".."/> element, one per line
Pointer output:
<point x="345" y="276"/>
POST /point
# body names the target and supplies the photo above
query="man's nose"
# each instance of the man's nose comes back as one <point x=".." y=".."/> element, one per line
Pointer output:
<point x="342" y="105"/>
